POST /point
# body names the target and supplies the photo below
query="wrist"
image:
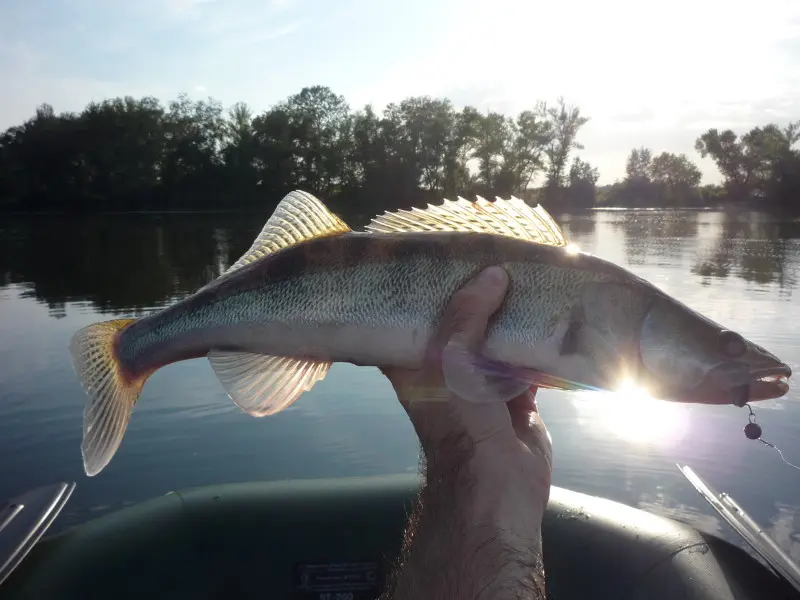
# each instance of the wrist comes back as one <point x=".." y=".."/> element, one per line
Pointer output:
<point x="511" y="471"/>
<point x="507" y="500"/>
<point x="475" y="532"/>
<point x="500" y="488"/>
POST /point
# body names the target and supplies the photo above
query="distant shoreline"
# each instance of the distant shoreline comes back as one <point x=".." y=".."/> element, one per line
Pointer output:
<point x="253" y="211"/>
<point x="53" y="213"/>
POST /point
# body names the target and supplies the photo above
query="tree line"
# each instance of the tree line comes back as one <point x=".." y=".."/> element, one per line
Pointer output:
<point x="126" y="154"/>
<point x="760" y="169"/>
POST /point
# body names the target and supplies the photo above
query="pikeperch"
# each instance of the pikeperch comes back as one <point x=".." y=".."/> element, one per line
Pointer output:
<point x="310" y="292"/>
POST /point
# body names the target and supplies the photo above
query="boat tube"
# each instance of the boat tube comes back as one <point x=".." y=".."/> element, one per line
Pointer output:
<point x="335" y="539"/>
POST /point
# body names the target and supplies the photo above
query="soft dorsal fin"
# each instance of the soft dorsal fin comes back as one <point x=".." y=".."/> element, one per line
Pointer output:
<point x="512" y="217"/>
<point x="298" y="217"/>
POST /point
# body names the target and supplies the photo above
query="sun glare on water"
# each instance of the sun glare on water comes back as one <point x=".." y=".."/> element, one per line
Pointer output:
<point x="633" y="415"/>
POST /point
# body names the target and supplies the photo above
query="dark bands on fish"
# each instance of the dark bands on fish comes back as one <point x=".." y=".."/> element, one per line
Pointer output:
<point x="310" y="292"/>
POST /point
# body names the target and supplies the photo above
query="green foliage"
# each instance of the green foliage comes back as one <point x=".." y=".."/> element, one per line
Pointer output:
<point x="638" y="165"/>
<point x="664" y="180"/>
<point x="128" y="154"/>
<point x="761" y="165"/>
<point x="675" y="171"/>
<point x="582" y="191"/>
<point x="565" y="121"/>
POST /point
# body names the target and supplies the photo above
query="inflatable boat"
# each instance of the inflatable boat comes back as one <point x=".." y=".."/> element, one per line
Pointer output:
<point x="335" y="539"/>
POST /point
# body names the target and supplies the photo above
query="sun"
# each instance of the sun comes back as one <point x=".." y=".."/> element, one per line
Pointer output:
<point x="633" y="415"/>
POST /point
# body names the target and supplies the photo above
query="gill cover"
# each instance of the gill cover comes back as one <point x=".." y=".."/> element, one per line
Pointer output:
<point x="690" y="358"/>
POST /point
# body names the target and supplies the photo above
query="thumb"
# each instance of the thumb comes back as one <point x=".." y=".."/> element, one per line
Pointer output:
<point x="465" y="324"/>
<point x="468" y="312"/>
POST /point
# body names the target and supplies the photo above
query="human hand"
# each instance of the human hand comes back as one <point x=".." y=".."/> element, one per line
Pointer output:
<point x="505" y="446"/>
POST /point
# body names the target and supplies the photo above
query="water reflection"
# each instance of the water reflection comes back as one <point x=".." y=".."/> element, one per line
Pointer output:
<point x="57" y="275"/>
<point x="120" y="263"/>
<point x="132" y="263"/>
<point x="634" y="416"/>
<point x="752" y="246"/>
<point x="657" y="234"/>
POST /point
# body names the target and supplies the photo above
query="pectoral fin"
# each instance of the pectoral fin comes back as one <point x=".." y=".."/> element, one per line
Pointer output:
<point x="477" y="379"/>
<point x="480" y="380"/>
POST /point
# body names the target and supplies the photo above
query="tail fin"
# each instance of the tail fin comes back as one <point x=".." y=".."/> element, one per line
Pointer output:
<point x="112" y="393"/>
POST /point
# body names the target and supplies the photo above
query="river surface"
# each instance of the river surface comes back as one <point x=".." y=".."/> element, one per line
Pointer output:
<point x="57" y="275"/>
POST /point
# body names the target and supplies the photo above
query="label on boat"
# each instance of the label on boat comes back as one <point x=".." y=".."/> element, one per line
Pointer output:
<point x="361" y="580"/>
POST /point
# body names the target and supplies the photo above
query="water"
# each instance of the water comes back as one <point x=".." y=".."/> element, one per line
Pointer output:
<point x="60" y="274"/>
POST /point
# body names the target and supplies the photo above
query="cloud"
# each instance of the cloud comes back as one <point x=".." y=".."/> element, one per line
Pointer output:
<point x="261" y="36"/>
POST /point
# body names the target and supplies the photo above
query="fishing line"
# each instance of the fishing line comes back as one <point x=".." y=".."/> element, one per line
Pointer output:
<point x="753" y="432"/>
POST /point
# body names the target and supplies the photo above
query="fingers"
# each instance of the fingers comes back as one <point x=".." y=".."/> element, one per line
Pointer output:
<point x="467" y="314"/>
<point x="426" y="394"/>
<point x="454" y="397"/>
<point x="531" y="431"/>
<point x="467" y="374"/>
<point x="423" y="393"/>
<point x="530" y="427"/>
<point x="539" y="472"/>
<point x="464" y="326"/>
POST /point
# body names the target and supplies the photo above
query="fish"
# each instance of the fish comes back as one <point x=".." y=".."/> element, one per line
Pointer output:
<point x="311" y="291"/>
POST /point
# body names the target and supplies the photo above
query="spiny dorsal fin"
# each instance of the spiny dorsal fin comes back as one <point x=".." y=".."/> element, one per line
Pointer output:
<point x="298" y="217"/>
<point x="512" y="217"/>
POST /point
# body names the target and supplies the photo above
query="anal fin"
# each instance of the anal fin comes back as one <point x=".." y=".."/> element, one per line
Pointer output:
<point x="262" y="384"/>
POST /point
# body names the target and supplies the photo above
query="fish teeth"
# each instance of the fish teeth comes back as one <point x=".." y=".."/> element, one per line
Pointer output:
<point x="772" y="378"/>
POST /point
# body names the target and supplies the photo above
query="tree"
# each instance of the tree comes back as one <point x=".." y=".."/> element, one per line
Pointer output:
<point x="492" y="134"/>
<point x="729" y="155"/>
<point x="321" y="127"/>
<point x="565" y="122"/>
<point x="753" y="163"/>
<point x="675" y="171"/>
<point x="582" y="171"/>
<point x="135" y="153"/>
<point x="529" y="136"/>
<point x="639" y="164"/>
<point x="582" y="191"/>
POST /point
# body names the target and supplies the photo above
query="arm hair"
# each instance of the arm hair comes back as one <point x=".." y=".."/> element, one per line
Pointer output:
<point x="449" y="552"/>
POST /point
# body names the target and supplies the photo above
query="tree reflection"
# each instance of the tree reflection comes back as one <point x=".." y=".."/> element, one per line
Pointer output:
<point x="136" y="263"/>
<point x="579" y="228"/>
<point x="120" y="263"/>
<point x="755" y="247"/>
<point x="655" y="232"/>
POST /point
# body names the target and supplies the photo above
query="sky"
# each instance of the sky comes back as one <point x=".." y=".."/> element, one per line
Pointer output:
<point x="654" y="74"/>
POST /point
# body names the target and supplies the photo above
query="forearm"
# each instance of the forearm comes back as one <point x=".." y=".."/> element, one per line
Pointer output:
<point x="456" y="546"/>
<point x="475" y="533"/>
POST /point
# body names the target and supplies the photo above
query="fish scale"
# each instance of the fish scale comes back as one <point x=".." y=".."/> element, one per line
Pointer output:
<point x="310" y="292"/>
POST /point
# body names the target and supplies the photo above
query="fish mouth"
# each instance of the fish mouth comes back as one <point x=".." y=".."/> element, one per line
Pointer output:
<point x="735" y="383"/>
<point x="769" y="383"/>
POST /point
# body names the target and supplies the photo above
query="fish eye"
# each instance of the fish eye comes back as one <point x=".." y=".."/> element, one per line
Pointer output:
<point x="732" y="343"/>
